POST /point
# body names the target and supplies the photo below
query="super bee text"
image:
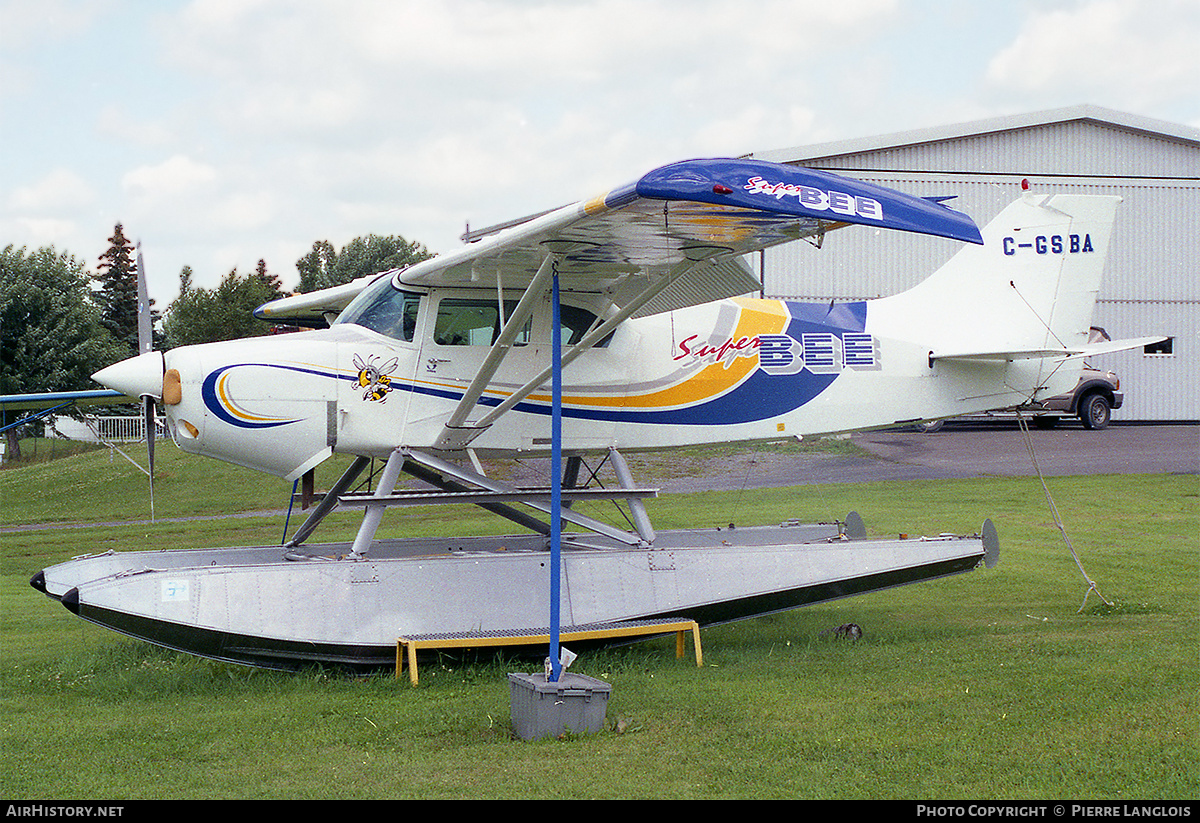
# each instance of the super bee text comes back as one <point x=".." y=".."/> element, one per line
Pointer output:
<point x="816" y="352"/>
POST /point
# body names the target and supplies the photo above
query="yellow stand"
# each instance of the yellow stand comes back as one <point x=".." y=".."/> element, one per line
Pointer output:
<point x="596" y="632"/>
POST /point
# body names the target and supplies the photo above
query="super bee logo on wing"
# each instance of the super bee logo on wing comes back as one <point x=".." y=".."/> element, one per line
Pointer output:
<point x="374" y="379"/>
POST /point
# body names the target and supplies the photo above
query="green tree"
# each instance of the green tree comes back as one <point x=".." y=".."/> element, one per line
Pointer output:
<point x="185" y="279"/>
<point x="202" y="315"/>
<point x="118" y="296"/>
<point x="324" y="266"/>
<point x="52" y="334"/>
<point x="272" y="281"/>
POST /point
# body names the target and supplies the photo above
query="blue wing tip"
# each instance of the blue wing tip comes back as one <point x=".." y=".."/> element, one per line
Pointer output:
<point x="797" y="191"/>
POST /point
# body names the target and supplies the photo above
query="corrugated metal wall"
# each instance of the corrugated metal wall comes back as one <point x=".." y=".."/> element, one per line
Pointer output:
<point x="1152" y="276"/>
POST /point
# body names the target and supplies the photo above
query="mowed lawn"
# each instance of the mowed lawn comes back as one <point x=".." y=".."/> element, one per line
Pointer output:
<point x="999" y="684"/>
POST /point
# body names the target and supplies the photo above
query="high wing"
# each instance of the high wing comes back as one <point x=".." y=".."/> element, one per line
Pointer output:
<point x="683" y="214"/>
<point x="673" y="238"/>
<point x="35" y="406"/>
<point x="670" y="239"/>
<point x="42" y="404"/>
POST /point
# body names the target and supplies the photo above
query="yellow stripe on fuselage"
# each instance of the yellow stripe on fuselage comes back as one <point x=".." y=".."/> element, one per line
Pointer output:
<point x="228" y="403"/>
<point x="755" y="318"/>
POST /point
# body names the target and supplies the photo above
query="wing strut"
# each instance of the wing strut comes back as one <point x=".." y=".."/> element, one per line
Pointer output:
<point x="454" y="438"/>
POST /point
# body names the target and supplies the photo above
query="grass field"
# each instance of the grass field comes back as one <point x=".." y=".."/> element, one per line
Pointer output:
<point x="988" y="685"/>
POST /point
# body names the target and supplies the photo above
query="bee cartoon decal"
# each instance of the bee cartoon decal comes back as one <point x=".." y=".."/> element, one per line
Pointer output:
<point x="376" y="380"/>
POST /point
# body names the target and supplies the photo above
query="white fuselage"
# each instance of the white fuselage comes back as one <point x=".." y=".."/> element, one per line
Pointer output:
<point x="734" y="370"/>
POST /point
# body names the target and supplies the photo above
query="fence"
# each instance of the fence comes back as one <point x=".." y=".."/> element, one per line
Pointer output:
<point x="97" y="428"/>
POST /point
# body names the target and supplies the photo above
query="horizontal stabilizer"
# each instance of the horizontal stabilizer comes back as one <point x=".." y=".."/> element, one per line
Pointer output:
<point x="1022" y="354"/>
<point x="1033" y="354"/>
<point x="1119" y="345"/>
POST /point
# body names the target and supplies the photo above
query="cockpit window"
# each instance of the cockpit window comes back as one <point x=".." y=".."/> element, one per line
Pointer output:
<point x="460" y="321"/>
<point x="385" y="309"/>
<point x="471" y="322"/>
<point x="477" y="322"/>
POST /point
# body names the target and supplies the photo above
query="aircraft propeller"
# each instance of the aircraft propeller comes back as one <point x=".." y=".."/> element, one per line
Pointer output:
<point x="145" y="346"/>
<point x="142" y="376"/>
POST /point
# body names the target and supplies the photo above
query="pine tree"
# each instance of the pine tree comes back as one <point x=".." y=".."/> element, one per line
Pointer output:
<point x="271" y="281"/>
<point x="118" y="297"/>
<point x="185" y="279"/>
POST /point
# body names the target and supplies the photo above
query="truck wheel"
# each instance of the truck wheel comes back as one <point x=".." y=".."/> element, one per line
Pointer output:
<point x="1094" y="411"/>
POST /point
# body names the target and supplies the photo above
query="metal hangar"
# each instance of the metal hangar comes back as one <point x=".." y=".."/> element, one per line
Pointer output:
<point x="1152" y="277"/>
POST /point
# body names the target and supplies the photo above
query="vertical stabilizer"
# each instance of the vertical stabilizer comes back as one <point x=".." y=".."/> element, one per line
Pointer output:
<point x="1029" y="290"/>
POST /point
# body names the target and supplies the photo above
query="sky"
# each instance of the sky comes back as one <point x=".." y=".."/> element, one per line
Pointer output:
<point x="221" y="132"/>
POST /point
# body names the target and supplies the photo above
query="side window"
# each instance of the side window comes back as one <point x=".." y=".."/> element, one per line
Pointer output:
<point x="577" y="322"/>
<point x="1160" y="349"/>
<point x="472" y="322"/>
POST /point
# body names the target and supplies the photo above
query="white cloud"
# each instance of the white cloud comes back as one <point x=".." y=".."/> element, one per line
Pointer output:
<point x="1120" y="53"/>
<point x="60" y="190"/>
<point x="45" y="231"/>
<point x="116" y="123"/>
<point x="172" y="179"/>
<point x="349" y="71"/>
<point x="755" y="126"/>
<point x="36" y="24"/>
<point x="246" y="211"/>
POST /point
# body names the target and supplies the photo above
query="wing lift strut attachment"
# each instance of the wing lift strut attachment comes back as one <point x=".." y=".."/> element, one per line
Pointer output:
<point x="458" y="432"/>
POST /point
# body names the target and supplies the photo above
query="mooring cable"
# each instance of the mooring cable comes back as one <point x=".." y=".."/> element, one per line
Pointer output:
<point x="1058" y="520"/>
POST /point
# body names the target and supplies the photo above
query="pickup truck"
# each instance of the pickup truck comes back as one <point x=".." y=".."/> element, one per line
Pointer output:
<point x="1092" y="401"/>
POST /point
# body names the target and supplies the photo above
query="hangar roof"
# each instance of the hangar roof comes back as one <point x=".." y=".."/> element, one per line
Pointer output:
<point x="1082" y="113"/>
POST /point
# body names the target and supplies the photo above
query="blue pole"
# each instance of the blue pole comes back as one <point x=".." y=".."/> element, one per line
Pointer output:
<point x="555" y="480"/>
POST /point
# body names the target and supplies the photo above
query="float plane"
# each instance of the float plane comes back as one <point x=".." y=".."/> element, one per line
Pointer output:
<point x="619" y="324"/>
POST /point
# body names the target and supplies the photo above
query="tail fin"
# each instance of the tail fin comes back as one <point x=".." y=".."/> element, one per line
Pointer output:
<point x="1029" y="291"/>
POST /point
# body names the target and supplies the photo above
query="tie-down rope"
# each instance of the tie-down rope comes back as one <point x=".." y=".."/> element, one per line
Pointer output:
<point x="1058" y="520"/>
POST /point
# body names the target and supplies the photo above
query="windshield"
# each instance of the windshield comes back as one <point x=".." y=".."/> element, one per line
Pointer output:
<point x="383" y="308"/>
